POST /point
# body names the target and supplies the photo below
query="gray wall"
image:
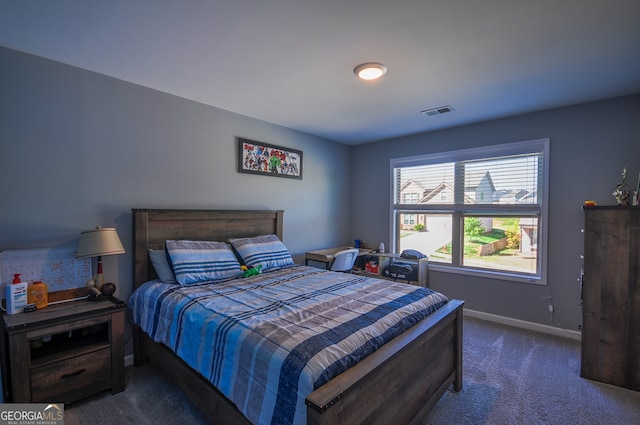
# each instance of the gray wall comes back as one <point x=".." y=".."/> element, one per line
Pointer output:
<point x="78" y="149"/>
<point x="589" y="146"/>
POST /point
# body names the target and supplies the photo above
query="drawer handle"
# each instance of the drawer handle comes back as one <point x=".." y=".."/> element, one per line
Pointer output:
<point x="71" y="375"/>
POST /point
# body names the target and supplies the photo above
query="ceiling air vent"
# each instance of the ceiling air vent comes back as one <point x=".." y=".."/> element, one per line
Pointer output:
<point x="437" y="111"/>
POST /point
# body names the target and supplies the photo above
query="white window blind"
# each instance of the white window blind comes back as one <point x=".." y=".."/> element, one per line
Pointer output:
<point x="493" y="195"/>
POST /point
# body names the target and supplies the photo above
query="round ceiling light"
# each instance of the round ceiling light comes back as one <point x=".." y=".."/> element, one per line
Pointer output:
<point x="370" y="70"/>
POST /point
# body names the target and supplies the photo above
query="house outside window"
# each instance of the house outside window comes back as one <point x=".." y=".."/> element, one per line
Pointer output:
<point x="480" y="211"/>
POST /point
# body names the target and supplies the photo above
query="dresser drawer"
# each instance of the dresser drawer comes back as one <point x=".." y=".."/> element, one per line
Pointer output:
<point x="69" y="374"/>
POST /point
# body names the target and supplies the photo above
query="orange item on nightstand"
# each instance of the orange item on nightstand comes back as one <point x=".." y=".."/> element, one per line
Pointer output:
<point x="37" y="294"/>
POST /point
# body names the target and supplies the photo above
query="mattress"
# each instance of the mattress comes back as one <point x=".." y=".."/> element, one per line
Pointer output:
<point x="267" y="341"/>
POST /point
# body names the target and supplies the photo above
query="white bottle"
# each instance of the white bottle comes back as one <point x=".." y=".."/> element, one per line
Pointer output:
<point x="16" y="296"/>
<point x="381" y="248"/>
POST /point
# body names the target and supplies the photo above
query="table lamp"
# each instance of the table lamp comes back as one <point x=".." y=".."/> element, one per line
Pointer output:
<point x="96" y="243"/>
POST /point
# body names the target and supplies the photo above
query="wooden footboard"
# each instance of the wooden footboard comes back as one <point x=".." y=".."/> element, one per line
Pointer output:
<point x="401" y="381"/>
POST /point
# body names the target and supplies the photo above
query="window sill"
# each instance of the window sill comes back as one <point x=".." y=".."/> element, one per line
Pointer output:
<point x="488" y="274"/>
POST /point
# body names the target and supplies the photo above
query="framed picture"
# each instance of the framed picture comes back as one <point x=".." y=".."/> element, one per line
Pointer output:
<point x="262" y="158"/>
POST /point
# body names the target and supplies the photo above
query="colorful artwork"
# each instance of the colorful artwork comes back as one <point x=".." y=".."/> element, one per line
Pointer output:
<point x="261" y="158"/>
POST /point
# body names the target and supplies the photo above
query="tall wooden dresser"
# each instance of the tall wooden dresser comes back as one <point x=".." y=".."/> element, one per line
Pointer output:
<point x="611" y="296"/>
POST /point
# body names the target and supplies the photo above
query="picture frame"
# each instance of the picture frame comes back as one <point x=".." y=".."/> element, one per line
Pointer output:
<point x="270" y="160"/>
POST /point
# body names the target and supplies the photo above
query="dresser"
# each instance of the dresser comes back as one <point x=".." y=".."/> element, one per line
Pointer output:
<point x="611" y="296"/>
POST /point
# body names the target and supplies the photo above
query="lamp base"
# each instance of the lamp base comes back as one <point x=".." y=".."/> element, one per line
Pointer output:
<point x="99" y="276"/>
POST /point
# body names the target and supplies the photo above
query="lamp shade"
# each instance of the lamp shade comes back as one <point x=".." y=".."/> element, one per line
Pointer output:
<point x="99" y="241"/>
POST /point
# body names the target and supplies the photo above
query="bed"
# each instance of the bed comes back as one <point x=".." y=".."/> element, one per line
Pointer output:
<point x="398" y="383"/>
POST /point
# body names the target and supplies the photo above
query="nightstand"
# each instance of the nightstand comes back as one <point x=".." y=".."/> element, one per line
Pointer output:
<point x="65" y="352"/>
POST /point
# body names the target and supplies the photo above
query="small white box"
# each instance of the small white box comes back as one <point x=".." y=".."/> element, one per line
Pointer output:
<point x="16" y="296"/>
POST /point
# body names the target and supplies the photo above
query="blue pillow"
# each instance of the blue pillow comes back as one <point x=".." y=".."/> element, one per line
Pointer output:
<point x="202" y="261"/>
<point x="266" y="250"/>
<point x="161" y="265"/>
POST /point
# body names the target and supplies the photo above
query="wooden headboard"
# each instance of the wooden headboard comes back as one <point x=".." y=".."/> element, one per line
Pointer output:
<point x="152" y="227"/>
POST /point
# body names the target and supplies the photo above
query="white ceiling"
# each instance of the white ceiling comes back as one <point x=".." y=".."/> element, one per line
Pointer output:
<point x="290" y="62"/>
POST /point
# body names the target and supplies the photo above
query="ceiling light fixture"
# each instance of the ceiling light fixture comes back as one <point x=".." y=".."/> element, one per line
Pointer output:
<point x="370" y="71"/>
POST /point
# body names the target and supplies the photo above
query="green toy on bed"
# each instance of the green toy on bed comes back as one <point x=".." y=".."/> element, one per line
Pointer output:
<point x="251" y="271"/>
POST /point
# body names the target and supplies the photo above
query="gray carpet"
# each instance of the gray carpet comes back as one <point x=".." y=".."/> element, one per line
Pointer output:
<point x="511" y="376"/>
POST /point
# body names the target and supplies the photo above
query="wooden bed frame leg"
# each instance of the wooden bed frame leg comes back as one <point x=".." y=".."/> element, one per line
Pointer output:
<point x="139" y="358"/>
<point x="457" y="383"/>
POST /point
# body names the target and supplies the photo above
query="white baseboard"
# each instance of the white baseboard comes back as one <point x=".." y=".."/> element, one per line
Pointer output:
<point x="552" y="330"/>
<point x="128" y="360"/>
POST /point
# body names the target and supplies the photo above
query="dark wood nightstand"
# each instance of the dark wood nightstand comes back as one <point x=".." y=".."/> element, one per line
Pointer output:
<point x="65" y="352"/>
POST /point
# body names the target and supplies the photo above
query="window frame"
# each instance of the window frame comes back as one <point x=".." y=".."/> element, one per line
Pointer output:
<point x="460" y="210"/>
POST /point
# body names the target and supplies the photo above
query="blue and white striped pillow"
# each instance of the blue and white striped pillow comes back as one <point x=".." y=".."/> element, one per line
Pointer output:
<point x="267" y="250"/>
<point x="202" y="261"/>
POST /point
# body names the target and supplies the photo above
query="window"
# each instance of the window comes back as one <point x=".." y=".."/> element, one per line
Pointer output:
<point x="410" y="198"/>
<point x="409" y="219"/>
<point x="479" y="211"/>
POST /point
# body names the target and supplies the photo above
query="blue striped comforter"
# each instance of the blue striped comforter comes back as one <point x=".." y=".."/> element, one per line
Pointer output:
<point x="267" y="341"/>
